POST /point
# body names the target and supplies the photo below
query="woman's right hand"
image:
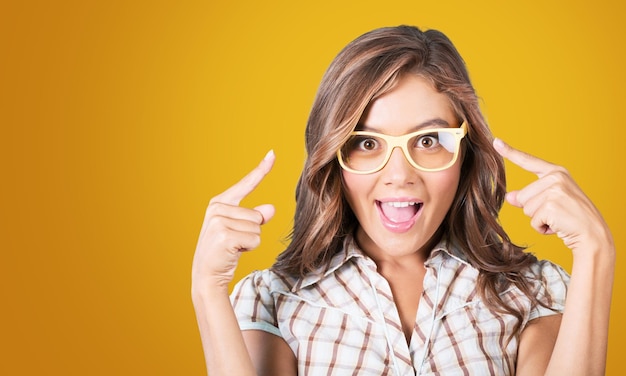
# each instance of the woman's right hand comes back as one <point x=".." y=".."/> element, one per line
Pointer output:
<point x="228" y="230"/>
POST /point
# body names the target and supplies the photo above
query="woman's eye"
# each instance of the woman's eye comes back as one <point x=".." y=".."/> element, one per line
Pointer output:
<point x="427" y="142"/>
<point x="367" y="144"/>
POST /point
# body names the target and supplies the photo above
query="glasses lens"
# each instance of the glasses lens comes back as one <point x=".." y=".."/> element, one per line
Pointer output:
<point x="364" y="152"/>
<point x="431" y="150"/>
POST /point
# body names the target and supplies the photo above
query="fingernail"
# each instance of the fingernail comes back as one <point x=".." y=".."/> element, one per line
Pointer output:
<point x="269" y="155"/>
<point x="498" y="143"/>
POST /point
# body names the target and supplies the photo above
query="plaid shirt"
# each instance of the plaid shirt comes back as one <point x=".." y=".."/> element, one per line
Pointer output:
<point x="344" y="321"/>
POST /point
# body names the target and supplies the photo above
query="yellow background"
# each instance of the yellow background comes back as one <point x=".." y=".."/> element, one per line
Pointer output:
<point x="121" y="119"/>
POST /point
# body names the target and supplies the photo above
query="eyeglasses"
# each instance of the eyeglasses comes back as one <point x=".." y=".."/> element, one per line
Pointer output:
<point x="432" y="149"/>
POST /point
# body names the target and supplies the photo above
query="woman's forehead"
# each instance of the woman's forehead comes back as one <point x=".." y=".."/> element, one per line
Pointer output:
<point x="412" y="103"/>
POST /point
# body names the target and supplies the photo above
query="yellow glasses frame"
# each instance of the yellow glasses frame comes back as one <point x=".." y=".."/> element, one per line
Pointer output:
<point x="401" y="142"/>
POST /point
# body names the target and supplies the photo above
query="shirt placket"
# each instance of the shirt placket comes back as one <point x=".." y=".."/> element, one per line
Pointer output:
<point x="389" y="319"/>
<point x="426" y="321"/>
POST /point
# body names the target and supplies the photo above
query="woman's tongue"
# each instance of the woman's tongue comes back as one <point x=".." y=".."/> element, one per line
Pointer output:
<point x="398" y="214"/>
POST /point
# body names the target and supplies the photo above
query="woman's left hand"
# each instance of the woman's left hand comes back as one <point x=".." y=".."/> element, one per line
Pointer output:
<point x="555" y="203"/>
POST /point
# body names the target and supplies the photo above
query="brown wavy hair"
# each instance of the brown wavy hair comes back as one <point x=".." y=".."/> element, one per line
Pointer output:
<point x="365" y="69"/>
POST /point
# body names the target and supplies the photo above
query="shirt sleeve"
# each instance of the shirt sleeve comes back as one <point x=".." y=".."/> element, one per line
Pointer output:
<point x="254" y="304"/>
<point x="552" y="281"/>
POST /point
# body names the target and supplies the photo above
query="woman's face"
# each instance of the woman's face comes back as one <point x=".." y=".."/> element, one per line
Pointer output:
<point x="399" y="208"/>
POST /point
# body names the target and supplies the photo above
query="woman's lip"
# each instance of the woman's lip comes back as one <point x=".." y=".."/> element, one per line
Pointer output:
<point x="398" y="227"/>
<point x="399" y="199"/>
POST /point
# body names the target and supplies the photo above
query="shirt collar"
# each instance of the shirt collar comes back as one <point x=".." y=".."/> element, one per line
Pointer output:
<point x="349" y="250"/>
<point x="446" y="250"/>
<point x="440" y="253"/>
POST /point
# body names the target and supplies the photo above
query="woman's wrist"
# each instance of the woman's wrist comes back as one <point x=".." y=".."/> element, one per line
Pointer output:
<point x="597" y="245"/>
<point x="206" y="289"/>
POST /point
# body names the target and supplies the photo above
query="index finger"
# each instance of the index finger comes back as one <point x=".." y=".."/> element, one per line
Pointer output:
<point x="248" y="183"/>
<point x="524" y="160"/>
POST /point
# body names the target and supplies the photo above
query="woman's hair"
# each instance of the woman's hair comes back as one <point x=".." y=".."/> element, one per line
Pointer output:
<point x="364" y="70"/>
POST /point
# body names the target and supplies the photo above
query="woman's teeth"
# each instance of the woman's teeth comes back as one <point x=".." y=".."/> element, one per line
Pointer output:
<point x="400" y="204"/>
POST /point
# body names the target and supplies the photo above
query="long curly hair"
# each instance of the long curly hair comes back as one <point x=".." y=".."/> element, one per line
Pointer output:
<point x="365" y="69"/>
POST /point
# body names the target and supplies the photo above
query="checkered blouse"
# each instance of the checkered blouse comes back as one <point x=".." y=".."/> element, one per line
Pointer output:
<point x="344" y="321"/>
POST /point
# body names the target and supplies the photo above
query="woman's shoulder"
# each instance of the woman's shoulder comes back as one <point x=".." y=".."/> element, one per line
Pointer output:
<point x="267" y="280"/>
<point x="549" y="283"/>
<point x="547" y="271"/>
<point x="274" y="280"/>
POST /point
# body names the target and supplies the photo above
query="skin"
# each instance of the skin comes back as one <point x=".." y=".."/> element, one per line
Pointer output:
<point x="227" y="231"/>
<point x="412" y="105"/>
<point x="400" y="254"/>
<point x="557" y="205"/>
<point x="573" y="343"/>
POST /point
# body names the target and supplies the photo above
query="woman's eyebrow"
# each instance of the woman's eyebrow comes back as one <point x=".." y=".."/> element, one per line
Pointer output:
<point x="435" y="122"/>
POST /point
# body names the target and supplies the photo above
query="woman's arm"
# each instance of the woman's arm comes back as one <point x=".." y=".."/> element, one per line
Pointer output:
<point x="225" y="352"/>
<point x="575" y="342"/>
<point x="536" y="345"/>
<point x="229" y="351"/>
<point x="227" y="231"/>
<point x="556" y="205"/>
<point x="583" y="336"/>
<point x="270" y="354"/>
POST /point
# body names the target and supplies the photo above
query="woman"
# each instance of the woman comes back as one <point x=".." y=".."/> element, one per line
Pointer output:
<point x="397" y="263"/>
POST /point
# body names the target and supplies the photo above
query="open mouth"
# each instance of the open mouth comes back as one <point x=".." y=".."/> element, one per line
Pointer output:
<point x="399" y="212"/>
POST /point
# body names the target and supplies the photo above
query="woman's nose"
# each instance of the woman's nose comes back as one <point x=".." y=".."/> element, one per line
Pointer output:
<point x="398" y="169"/>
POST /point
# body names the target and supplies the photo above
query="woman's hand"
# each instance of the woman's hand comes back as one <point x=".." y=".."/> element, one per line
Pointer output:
<point x="229" y="229"/>
<point x="556" y="204"/>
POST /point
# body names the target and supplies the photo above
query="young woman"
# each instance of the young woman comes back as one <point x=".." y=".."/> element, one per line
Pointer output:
<point x="397" y="263"/>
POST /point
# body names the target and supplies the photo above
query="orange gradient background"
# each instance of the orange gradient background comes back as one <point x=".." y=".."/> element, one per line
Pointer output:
<point x="120" y="120"/>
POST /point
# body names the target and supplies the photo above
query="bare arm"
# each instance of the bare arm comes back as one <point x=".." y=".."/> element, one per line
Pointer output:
<point x="225" y="352"/>
<point x="556" y="205"/>
<point x="229" y="351"/>
<point x="227" y="231"/>
<point x="537" y="344"/>
<point x="270" y="354"/>
<point x="583" y="337"/>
